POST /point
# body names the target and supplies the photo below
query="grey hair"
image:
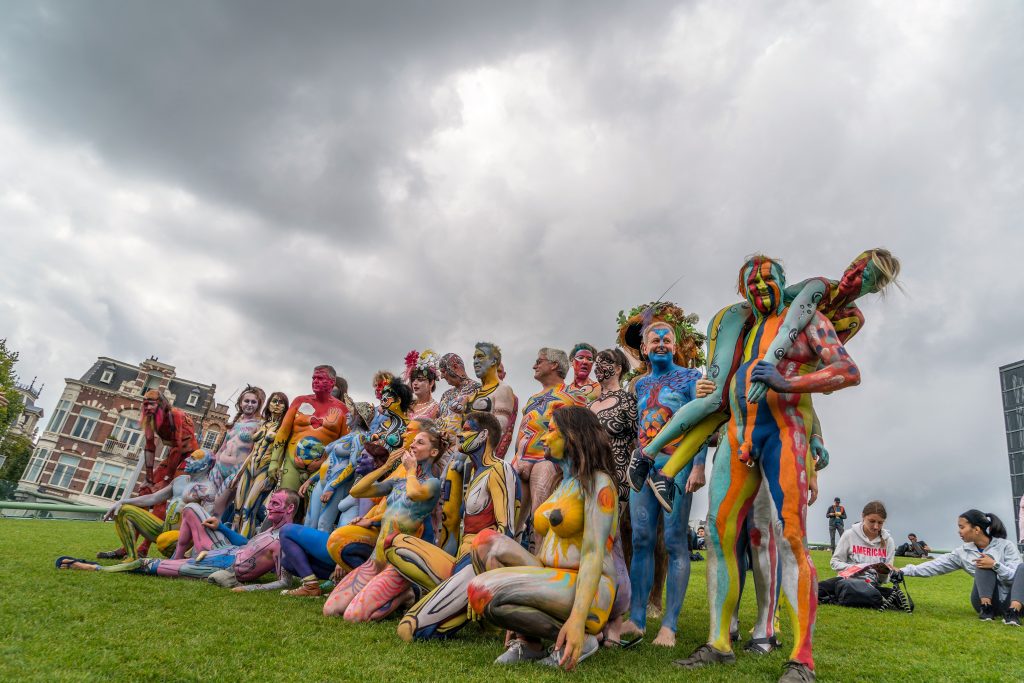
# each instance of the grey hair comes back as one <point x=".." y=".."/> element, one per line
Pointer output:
<point x="558" y="357"/>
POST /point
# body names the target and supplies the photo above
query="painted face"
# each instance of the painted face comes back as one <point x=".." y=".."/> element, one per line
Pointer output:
<point x="764" y="281"/>
<point x="472" y="437"/>
<point x="659" y="344"/>
<point x="277" y="406"/>
<point x="387" y="399"/>
<point x="482" y="362"/>
<point x="859" y="278"/>
<point x="278" y="510"/>
<point x="200" y="461"/>
<point x="149" y="406"/>
<point x="322" y="382"/>
<point x="421" y="447"/>
<point x="250" y="404"/>
<point x="872" y="525"/>
<point x="583" y="363"/>
<point x="605" y="369"/>
<point x="553" y="442"/>
<point x="542" y="366"/>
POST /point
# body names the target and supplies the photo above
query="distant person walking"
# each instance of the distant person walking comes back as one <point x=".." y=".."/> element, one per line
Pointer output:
<point x="836" y="514"/>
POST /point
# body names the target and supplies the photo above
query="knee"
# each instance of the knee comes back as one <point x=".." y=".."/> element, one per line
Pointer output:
<point x="407" y="628"/>
<point x="483" y="541"/>
<point x="644" y="538"/>
<point x="479" y="595"/>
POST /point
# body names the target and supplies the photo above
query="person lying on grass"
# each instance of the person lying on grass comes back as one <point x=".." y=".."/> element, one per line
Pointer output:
<point x="992" y="560"/>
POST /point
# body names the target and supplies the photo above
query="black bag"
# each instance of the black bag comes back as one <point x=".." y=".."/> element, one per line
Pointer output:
<point x="849" y="593"/>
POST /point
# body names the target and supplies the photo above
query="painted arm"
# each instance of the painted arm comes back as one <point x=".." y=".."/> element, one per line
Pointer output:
<point x="284" y="580"/>
<point x="145" y="501"/>
<point x="499" y="500"/>
<point x="451" y="504"/>
<point x="818" y="451"/>
<point x="837" y="370"/>
<point x="805" y="296"/>
<point x="415" y="489"/>
<point x="599" y="510"/>
<point x="233" y="536"/>
<point x="371" y="486"/>
<point x="284" y="433"/>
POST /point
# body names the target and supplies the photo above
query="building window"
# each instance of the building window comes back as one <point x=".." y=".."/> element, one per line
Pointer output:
<point x="59" y="417"/>
<point x="67" y="465"/>
<point x="152" y="382"/>
<point x="85" y="425"/>
<point x="127" y="431"/>
<point x="210" y="439"/>
<point x="107" y="480"/>
<point x="193" y="399"/>
<point x="107" y="376"/>
<point x="35" y="465"/>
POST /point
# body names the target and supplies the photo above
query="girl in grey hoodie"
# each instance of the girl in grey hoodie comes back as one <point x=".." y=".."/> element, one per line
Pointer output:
<point x="867" y="549"/>
<point x="992" y="560"/>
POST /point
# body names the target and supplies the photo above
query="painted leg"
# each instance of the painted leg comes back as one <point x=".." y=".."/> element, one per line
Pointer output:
<point x="492" y="550"/>
<point x="349" y="546"/>
<point x="254" y="501"/>
<point x="349" y="587"/>
<point x="677" y="545"/>
<point x="385" y="593"/>
<point x="644" y="512"/>
<point x="442" y="611"/>
<point x="314" y="507"/>
<point x="418" y="560"/>
<point x="328" y="519"/>
<point x="764" y="531"/>
<point x="131" y="520"/>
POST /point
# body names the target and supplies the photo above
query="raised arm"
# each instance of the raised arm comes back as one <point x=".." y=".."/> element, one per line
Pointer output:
<point x="837" y="369"/>
<point x="599" y="511"/>
<point x="415" y="489"/>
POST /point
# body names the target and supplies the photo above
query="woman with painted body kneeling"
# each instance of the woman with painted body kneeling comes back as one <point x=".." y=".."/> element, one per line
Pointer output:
<point x="992" y="560"/>
<point x="566" y="592"/>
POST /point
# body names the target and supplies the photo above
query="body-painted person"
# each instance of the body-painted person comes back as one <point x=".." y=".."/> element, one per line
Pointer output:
<point x="659" y="394"/>
<point x="131" y="519"/>
<point x="332" y="482"/>
<point x="177" y="432"/>
<point x="453" y="372"/>
<point x="565" y="593"/>
<point x="238" y="442"/>
<point x="582" y="388"/>
<point x="421" y="374"/>
<point x="493" y="396"/>
<point x="375" y="589"/>
<point x="776" y="432"/>
<point x="540" y="476"/>
<point x="251" y="490"/>
<point x="234" y="561"/>
<point x="317" y="416"/>
<point x="490" y="505"/>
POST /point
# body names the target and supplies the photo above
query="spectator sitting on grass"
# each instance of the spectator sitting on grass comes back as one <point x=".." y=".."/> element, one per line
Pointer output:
<point x="913" y="548"/>
<point x="992" y="560"/>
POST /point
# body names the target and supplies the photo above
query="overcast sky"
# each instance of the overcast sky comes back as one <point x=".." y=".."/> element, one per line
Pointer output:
<point x="248" y="189"/>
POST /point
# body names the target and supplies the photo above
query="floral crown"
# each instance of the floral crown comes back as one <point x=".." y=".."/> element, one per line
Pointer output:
<point x="425" y="364"/>
<point x="689" y="340"/>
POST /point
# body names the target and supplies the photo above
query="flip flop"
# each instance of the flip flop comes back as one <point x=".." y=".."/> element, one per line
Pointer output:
<point x="65" y="562"/>
<point x="627" y="644"/>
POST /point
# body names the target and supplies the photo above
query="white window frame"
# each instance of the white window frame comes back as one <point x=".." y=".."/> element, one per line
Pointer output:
<point x="126" y="432"/>
<point x="107" y="376"/>
<point x="60" y="416"/>
<point x="64" y="473"/>
<point x="82" y="424"/>
<point x="209" y="443"/>
<point x="38" y="461"/>
<point x="107" y="480"/>
<point x="193" y="399"/>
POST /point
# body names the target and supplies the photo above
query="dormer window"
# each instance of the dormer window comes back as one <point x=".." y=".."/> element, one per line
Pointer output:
<point x="107" y="376"/>
<point x="193" y="399"/>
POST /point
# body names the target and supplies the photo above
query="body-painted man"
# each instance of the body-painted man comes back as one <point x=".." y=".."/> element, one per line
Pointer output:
<point x="490" y="504"/>
<point x="319" y="416"/>
<point x="565" y="593"/>
<point x="227" y="558"/>
<point x="332" y="482"/>
<point x="659" y="394"/>
<point x="251" y="487"/>
<point x="538" y="475"/>
<point x="453" y="372"/>
<point x="131" y="518"/>
<point x="493" y="396"/>
<point x="176" y="431"/>
<point x="775" y="432"/>
<point x="582" y="388"/>
<point x="375" y="589"/>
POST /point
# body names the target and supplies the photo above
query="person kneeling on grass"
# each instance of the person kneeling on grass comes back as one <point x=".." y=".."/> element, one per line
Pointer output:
<point x="863" y="559"/>
<point x="992" y="560"/>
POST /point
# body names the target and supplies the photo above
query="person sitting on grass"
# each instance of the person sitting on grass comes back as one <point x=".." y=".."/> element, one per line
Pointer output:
<point x="913" y="548"/>
<point x="863" y="559"/>
<point x="992" y="560"/>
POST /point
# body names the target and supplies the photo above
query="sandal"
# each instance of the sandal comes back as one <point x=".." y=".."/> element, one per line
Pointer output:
<point x="65" y="562"/>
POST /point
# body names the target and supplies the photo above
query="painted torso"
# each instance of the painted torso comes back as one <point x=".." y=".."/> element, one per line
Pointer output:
<point x="427" y="411"/>
<point x="480" y="505"/>
<point x="617" y="413"/>
<point x="560" y="522"/>
<point x="262" y="440"/>
<point x="341" y="455"/>
<point x="536" y="417"/>
<point x="257" y="557"/>
<point x="658" y="397"/>
<point x="453" y="397"/>
<point x="585" y="393"/>
<point x="389" y="429"/>
<point x="323" y="420"/>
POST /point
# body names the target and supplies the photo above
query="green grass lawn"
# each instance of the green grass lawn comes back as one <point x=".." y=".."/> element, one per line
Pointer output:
<point x="80" y="626"/>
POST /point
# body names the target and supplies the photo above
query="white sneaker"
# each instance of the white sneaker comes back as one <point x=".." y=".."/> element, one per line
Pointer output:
<point x="517" y="653"/>
<point x="590" y="646"/>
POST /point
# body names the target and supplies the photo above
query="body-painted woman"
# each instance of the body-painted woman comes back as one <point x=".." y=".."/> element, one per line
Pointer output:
<point x="421" y="374"/>
<point x="319" y="416"/>
<point x="490" y="504"/>
<point x="564" y="593"/>
<point x="252" y="489"/>
<point x="582" y="388"/>
<point x="777" y="430"/>
<point x="375" y="589"/>
<point x="238" y="443"/>
<point x="337" y="473"/>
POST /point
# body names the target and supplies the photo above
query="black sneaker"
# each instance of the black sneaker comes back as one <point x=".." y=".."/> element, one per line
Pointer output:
<point x="1012" y="617"/>
<point x="664" y="489"/>
<point x="986" y="613"/>
<point x="705" y="655"/>
<point x="637" y="470"/>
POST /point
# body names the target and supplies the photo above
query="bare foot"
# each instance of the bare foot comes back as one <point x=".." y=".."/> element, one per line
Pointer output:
<point x="630" y="631"/>
<point x="666" y="637"/>
<point x="613" y="632"/>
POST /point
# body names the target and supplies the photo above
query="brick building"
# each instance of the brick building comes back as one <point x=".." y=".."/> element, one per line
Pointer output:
<point x="90" y="451"/>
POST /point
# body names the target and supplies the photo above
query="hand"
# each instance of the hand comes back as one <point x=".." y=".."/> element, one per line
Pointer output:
<point x="395" y="456"/>
<point x="409" y="460"/>
<point x="337" y="574"/>
<point x="325" y="497"/>
<point x="696" y="479"/>
<point x="109" y="515"/>
<point x="767" y="373"/>
<point x="211" y="523"/>
<point x="896" y="575"/>
<point x="570" y="643"/>
<point x="704" y="387"/>
<point x="819" y="453"/>
<point x="756" y="392"/>
<point x="304" y="488"/>
<point x="812" y="489"/>
<point x="238" y="589"/>
<point x="273" y="471"/>
<point x="985" y="562"/>
<point x="363" y="522"/>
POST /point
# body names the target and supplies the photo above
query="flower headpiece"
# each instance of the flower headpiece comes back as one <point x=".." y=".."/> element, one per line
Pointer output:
<point x="689" y="340"/>
<point x="424" y="364"/>
<point x="381" y="379"/>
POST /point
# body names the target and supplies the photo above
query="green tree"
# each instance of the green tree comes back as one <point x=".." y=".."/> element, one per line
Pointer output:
<point x="15" y="404"/>
<point x="18" y="450"/>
